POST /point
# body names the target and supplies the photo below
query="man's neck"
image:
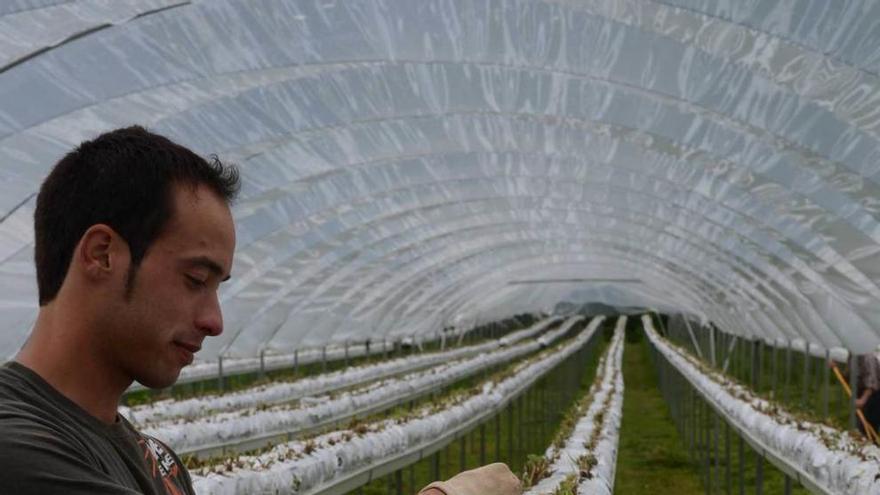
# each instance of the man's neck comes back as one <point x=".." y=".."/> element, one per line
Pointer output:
<point x="67" y="361"/>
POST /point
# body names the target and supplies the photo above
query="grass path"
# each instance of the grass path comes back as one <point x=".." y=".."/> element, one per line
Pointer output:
<point x="652" y="458"/>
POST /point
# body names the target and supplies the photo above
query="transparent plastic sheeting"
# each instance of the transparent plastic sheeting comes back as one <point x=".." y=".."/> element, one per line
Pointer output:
<point x="409" y="166"/>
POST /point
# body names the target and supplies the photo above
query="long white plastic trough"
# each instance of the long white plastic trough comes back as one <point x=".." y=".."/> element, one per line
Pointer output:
<point x="344" y="460"/>
<point x="822" y="459"/>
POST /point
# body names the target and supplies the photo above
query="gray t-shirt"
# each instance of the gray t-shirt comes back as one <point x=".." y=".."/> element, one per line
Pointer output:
<point x="48" y="444"/>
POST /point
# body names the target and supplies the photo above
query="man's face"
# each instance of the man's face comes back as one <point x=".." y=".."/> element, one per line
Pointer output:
<point x="173" y="304"/>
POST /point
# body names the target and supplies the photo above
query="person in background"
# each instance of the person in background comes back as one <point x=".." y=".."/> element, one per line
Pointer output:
<point x="867" y="396"/>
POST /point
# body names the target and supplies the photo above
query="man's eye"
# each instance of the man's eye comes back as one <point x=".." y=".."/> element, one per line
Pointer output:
<point x="196" y="282"/>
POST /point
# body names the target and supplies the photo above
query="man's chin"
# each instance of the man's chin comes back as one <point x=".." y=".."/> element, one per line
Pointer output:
<point x="158" y="382"/>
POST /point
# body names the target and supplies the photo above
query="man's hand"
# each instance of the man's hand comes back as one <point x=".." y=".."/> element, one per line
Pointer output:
<point x="494" y="479"/>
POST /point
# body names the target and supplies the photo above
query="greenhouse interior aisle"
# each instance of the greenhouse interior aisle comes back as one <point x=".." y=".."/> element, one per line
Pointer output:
<point x="621" y="246"/>
<point x="652" y="458"/>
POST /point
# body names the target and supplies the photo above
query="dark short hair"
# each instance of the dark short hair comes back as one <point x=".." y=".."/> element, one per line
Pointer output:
<point x="123" y="179"/>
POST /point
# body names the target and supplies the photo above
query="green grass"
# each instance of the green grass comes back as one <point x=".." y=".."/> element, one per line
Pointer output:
<point x="651" y="456"/>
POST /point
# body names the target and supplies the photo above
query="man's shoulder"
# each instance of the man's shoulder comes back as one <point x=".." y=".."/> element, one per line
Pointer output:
<point x="28" y="417"/>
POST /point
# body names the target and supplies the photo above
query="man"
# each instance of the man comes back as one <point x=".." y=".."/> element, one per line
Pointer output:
<point x="133" y="236"/>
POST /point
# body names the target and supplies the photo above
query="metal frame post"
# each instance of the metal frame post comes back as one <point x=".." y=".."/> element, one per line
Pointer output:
<point x="707" y="447"/>
<point x="712" y="345"/>
<point x="785" y="393"/>
<point x="742" y="465"/>
<point x="715" y="457"/>
<point x="727" y="479"/>
<point x="759" y="365"/>
<point x="752" y="359"/>
<point x="463" y="453"/>
<point x="806" y="388"/>
<point x="498" y="437"/>
<point x="759" y="474"/>
<point x="510" y="407"/>
<point x="825" y="384"/>
<point x="694" y="340"/>
<point x="775" y="381"/>
<point x="483" y="444"/>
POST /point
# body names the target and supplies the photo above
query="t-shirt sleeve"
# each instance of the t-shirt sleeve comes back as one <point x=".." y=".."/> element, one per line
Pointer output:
<point x="38" y="462"/>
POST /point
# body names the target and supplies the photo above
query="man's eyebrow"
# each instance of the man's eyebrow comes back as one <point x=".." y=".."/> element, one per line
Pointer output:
<point x="210" y="264"/>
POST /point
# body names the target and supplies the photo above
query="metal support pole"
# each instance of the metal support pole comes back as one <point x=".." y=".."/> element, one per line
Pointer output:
<point x="759" y="365"/>
<point x="510" y="432"/>
<point x="715" y="443"/>
<point x="436" y="465"/>
<point x="759" y="475"/>
<point x="483" y="444"/>
<point x="731" y="351"/>
<point x="519" y="416"/>
<point x="398" y="479"/>
<point x="462" y="453"/>
<point x="787" y="372"/>
<point x="498" y="437"/>
<point x="825" y="384"/>
<point x="220" y="373"/>
<point x="712" y="345"/>
<point x="752" y="359"/>
<point x="742" y="466"/>
<point x="707" y="448"/>
<point x="693" y="338"/>
<point x="295" y="361"/>
<point x="806" y="389"/>
<point x="693" y="422"/>
<point x="346" y="354"/>
<point x="727" y="483"/>
<point x="775" y="371"/>
<point x="262" y="363"/>
<point x="787" y="484"/>
<point x="324" y="359"/>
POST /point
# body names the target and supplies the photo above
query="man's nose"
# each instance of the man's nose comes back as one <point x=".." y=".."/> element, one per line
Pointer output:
<point x="210" y="318"/>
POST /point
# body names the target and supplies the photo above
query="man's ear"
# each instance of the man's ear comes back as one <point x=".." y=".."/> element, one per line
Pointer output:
<point x="101" y="252"/>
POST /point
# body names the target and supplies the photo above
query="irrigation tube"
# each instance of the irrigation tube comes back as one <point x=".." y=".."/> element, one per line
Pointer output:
<point x="799" y="449"/>
<point x="338" y="464"/>
<point x="602" y="421"/>
<point x="250" y="429"/>
<point x="208" y="370"/>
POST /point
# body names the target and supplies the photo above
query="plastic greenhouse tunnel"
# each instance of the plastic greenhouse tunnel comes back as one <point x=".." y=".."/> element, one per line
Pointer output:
<point x="620" y="246"/>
